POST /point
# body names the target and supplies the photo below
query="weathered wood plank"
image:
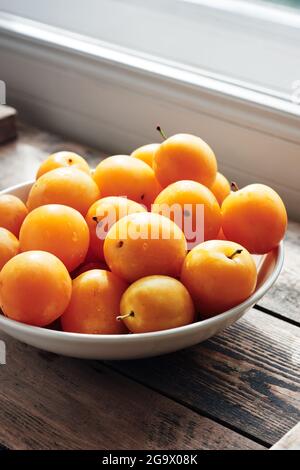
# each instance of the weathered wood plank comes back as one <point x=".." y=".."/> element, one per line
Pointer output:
<point x="247" y="377"/>
<point x="52" y="402"/>
<point x="284" y="296"/>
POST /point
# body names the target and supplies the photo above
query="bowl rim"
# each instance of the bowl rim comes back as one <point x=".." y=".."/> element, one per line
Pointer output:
<point x="133" y="337"/>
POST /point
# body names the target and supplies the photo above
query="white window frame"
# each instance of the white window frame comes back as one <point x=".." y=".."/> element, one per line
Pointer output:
<point x="189" y="32"/>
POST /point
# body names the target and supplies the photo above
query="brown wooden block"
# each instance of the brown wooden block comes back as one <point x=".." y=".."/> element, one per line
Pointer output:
<point x="8" y="128"/>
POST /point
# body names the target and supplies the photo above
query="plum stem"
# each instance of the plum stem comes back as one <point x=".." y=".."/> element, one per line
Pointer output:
<point x="159" y="129"/>
<point x="122" y="317"/>
<point x="234" y="186"/>
<point x="236" y="252"/>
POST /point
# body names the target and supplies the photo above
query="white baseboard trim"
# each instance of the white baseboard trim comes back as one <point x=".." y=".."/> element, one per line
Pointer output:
<point x="107" y="97"/>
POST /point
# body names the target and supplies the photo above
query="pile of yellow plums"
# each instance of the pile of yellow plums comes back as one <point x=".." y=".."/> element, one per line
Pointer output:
<point x="101" y="252"/>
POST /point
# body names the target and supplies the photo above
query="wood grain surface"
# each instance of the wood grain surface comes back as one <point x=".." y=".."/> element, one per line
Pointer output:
<point x="52" y="402"/>
<point x="247" y="377"/>
<point x="284" y="297"/>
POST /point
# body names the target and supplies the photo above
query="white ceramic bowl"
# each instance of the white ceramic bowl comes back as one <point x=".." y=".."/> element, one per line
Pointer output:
<point x="134" y="346"/>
